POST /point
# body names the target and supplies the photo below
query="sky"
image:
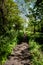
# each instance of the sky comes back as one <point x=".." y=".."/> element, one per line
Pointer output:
<point x="24" y="8"/>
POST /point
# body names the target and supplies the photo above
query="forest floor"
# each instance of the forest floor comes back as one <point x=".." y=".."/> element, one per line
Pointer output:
<point x="20" y="55"/>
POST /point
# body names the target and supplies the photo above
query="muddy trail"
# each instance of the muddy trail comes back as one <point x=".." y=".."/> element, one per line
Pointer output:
<point x="20" y="55"/>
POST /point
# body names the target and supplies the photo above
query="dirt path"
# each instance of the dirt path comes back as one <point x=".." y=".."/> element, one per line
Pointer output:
<point x="19" y="56"/>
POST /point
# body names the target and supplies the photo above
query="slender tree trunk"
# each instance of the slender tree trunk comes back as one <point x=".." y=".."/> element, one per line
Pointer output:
<point x="34" y="29"/>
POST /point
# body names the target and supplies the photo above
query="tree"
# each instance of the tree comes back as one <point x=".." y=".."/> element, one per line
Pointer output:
<point x="36" y="11"/>
<point x="9" y="17"/>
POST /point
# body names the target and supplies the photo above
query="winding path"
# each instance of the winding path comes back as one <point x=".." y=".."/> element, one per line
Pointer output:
<point x="20" y="55"/>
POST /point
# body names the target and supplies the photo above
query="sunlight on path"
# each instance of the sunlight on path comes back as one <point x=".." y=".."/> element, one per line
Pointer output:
<point x="19" y="56"/>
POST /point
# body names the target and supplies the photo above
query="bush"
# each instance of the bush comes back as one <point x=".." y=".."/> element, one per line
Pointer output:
<point x="22" y="37"/>
<point x="37" y="57"/>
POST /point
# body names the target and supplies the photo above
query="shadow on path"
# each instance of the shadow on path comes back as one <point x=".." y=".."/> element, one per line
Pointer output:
<point x="20" y="55"/>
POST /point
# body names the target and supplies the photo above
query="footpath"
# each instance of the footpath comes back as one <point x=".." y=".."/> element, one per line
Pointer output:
<point x="20" y="55"/>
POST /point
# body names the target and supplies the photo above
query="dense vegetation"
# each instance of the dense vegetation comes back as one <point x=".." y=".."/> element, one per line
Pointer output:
<point x="13" y="27"/>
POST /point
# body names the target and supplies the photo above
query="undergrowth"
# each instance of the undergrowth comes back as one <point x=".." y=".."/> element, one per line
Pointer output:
<point x="8" y="51"/>
<point x="35" y="50"/>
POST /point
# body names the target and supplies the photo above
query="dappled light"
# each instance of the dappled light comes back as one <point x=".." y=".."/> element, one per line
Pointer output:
<point x="21" y="32"/>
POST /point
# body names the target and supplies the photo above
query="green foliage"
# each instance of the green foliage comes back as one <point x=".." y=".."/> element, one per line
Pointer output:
<point x="13" y="28"/>
<point x="20" y="37"/>
<point x="37" y="57"/>
<point x="10" y="24"/>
